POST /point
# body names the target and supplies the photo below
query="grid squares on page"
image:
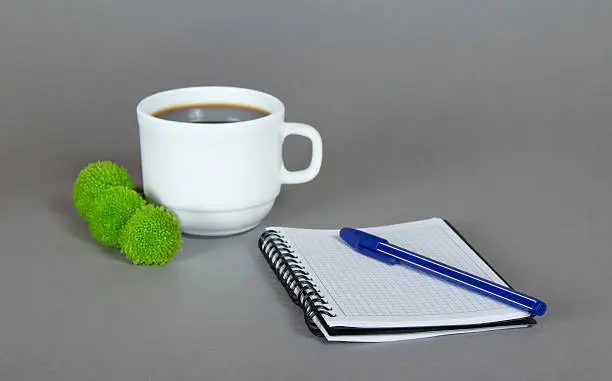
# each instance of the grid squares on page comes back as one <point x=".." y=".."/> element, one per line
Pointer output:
<point x="361" y="286"/>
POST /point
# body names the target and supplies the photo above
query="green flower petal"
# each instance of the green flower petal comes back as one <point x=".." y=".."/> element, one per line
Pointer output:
<point x="110" y="211"/>
<point x="151" y="237"/>
<point x="93" y="180"/>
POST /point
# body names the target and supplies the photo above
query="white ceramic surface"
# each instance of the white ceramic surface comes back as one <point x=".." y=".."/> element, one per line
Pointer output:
<point x="219" y="179"/>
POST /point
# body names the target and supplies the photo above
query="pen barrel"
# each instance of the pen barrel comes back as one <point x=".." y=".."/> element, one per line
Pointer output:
<point x="469" y="281"/>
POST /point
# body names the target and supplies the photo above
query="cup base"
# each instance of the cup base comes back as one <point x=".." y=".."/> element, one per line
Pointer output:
<point x="222" y="223"/>
<point x="218" y="233"/>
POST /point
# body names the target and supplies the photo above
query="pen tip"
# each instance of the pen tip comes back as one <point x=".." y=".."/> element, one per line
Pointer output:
<point x="540" y="308"/>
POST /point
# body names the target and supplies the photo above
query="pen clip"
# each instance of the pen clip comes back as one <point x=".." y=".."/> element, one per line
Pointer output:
<point x="377" y="255"/>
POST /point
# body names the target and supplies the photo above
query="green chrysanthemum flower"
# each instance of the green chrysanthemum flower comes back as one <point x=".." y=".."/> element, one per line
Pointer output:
<point x="151" y="237"/>
<point x="110" y="211"/>
<point x="95" y="178"/>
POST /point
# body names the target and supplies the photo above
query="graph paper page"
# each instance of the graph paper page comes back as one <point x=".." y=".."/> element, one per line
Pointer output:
<point x="364" y="292"/>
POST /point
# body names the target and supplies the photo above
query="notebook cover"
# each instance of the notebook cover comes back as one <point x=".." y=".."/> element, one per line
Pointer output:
<point x="342" y="330"/>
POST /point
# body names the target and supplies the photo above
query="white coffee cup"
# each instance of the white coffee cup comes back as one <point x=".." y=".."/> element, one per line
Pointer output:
<point x="219" y="179"/>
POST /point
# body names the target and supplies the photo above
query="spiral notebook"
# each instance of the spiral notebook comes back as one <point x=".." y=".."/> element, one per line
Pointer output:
<point x="346" y="296"/>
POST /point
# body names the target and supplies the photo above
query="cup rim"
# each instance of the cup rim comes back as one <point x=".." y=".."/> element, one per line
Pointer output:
<point x="279" y="109"/>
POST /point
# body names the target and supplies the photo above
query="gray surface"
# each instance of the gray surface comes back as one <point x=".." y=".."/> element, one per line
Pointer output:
<point x="496" y="117"/>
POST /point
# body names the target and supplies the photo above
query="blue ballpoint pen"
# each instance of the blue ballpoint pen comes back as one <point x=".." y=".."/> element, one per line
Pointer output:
<point x="381" y="249"/>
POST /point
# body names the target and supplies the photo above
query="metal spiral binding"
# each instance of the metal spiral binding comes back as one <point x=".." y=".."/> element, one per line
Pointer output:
<point x="294" y="278"/>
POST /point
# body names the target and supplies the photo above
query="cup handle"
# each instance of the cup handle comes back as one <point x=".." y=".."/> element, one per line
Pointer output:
<point x="304" y="175"/>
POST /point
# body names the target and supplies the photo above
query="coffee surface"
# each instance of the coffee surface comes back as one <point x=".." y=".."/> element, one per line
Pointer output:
<point x="211" y="113"/>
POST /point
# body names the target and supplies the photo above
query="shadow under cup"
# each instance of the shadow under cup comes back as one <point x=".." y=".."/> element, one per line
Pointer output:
<point x="217" y="166"/>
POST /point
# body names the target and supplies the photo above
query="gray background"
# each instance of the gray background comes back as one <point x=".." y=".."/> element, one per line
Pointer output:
<point x="494" y="115"/>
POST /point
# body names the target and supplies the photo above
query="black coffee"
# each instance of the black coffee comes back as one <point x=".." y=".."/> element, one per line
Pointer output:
<point x="211" y="113"/>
